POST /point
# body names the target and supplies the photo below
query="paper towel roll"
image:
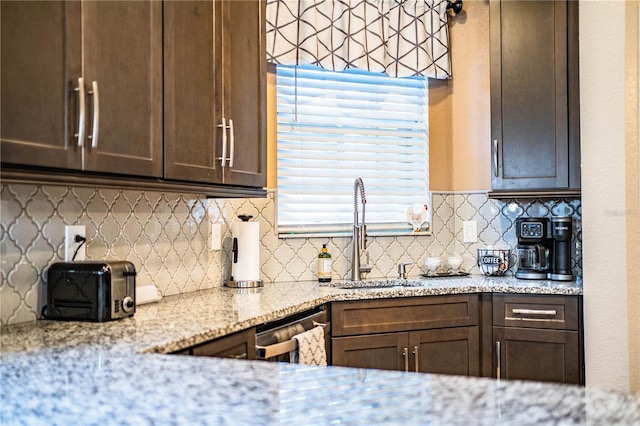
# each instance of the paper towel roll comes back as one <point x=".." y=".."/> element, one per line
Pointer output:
<point x="246" y="264"/>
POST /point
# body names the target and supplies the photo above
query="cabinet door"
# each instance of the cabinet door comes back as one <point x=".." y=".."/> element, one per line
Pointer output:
<point x="40" y="56"/>
<point x="192" y="98"/>
<point x="122" y="50"/>
<point x="541" y="355"/>
<point x="244" y="77"/>
<point x="446" y="351"/>
<point x="530" y="96"/>
<point x="381" y="351"/>
<point x="241" y="345"/>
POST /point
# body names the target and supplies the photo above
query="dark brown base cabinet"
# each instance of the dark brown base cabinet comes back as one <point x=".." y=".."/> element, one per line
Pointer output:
<point x="541" y="355"/>
<point x="240" y="345"/>
<point x="441" y="351"/>
<point x="509" y="336"/>
<point x="538" y="338"/>
<point x="438" y="334"/>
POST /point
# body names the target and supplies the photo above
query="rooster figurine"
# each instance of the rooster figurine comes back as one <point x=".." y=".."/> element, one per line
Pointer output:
<point x="417" y="215"/>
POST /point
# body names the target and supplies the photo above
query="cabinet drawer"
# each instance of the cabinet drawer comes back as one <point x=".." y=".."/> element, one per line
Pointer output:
<point x="389" y="315"/>
<point x="535" y="311"/>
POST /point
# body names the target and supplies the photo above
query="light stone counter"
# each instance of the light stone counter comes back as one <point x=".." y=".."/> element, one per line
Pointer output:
<point x="90" y="373"/>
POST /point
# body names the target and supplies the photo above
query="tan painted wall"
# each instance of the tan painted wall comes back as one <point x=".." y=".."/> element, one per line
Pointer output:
<point x="459" y="109"/>
<point x="632" y="154"/>
<point x="609" y="193"/>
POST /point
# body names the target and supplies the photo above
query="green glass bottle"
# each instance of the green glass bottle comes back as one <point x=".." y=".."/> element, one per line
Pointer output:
<point x="324" y="265"/>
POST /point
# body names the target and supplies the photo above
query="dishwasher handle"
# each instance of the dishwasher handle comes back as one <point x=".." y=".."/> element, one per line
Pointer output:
<point x="281" y="348"/>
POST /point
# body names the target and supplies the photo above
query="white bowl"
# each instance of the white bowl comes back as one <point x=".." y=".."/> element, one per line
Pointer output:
<point x="432" y="263"/>
<point x="455" y="262"/>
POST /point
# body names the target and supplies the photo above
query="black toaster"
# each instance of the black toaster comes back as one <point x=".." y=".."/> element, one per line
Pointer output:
<point x="90" y="291"/>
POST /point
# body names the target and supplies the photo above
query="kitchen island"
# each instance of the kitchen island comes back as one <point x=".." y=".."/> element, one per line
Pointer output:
<point x="119" y="372"/>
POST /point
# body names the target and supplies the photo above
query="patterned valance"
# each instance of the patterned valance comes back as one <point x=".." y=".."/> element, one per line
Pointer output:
<point x="399" y="37"/>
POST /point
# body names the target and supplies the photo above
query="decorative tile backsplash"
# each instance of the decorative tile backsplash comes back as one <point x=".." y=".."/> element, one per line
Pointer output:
<point x="166" y="236"/>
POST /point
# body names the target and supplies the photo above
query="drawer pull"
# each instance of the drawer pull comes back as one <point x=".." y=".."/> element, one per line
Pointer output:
<point x="545" y="312"/>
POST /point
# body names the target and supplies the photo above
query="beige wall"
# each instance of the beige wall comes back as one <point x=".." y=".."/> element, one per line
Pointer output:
<point x="459" y="109"/>
<point x="632" y="154"/>
<point x="609" y="194"/>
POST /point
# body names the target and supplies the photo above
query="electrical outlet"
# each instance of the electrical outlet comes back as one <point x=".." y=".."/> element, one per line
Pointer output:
<point x="470" y="231"/>
<point x="216" y="236"/>
<point x="70" y="244"/>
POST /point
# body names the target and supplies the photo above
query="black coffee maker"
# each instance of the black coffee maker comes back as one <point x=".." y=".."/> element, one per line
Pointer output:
<point x="533" y="248"/>
<point x="561" y="230"/>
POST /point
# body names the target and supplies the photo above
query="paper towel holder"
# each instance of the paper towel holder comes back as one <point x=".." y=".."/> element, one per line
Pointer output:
<point x="244" y="284"/>
<point x="252" y="283"/>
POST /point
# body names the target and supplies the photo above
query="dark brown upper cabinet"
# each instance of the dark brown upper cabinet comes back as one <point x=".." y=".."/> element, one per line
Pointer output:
<point x="82" y="85"/>
<point x="215" y="92"/>
<point x="153" y="95"/>
<point x="534" y="97"/>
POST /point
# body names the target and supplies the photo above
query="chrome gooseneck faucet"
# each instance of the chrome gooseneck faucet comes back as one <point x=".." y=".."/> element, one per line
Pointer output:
<point x="359" y="246"/>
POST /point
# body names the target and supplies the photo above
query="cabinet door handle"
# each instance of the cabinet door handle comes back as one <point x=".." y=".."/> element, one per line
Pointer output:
<point x="545" y="312"/>
<point x="495" y="157"/>
<point x="232" y="142"/>
<point x="415" y="358"/>
<point x="406" y="358"/>
<point x="96" y="114"/>
<point x="498" y="360"/>
<point x="223" y="159"/>
<point x="81" y="112"/>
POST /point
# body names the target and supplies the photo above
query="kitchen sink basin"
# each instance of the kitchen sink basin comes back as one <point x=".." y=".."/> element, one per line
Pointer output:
<point x="373" y="283"/>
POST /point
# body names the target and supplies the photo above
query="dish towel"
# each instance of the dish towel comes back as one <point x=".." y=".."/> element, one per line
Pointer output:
<point x="311" y="348"/>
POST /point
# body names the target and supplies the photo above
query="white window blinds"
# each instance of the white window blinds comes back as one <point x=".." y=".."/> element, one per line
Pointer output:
<point x="336" y="126"/>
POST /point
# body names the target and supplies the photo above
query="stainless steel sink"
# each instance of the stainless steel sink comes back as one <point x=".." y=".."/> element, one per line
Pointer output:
<point x="373" y="283"/>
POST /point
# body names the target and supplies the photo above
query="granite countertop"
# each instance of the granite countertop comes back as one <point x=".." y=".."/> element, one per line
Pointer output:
<point x="117" y="372"/>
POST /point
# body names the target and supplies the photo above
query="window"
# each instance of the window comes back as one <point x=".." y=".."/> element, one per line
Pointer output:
<point x="336" y="126"/>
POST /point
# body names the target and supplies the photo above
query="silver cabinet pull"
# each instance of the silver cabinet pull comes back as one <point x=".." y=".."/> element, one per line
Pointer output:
<point x="223" y="159"/>
<point x="232" y="142"/>
<point x="545" y="312"/>
<point x="495" y="157"/>
<point x="498" y="360"/>
<point x="415" y="358"/>
<point x="96" y="114"/>
<point x="81" y="112"/>
<point x="406" y="359"/>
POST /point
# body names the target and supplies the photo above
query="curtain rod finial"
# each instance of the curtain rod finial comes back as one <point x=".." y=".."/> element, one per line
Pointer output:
<point x="456" y="6"/>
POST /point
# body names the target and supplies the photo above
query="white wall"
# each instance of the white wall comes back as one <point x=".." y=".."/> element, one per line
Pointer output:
<point x="602" y="91"/>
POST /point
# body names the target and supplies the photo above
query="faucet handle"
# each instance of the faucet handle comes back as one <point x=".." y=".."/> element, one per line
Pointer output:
<point x="402" y="269"/>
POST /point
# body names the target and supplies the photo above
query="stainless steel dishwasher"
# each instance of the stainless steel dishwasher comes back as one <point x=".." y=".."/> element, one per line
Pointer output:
<point x="274" y="340"/>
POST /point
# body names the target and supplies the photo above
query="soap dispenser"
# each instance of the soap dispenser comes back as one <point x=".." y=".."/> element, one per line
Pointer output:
<point x="324" y="265"/>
